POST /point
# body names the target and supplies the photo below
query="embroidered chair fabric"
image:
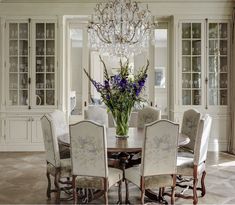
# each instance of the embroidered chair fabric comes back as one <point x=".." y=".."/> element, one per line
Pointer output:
<point x="55" y="166"/>
<point x="89" y="159"/>
<point x="61" y="128"/>
<point x="97" y="114"/>
<point x="147" y="115"/>
<point x="159" y="153"/>
<point x="195" y="166"/>
<point x="189" y="127"/>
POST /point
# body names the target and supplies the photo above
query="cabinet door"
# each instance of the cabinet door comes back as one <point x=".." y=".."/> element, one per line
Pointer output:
<point x="218" y="60"/>
<point x="18" y="130"/>
<point x="17" y="62"/>
<point x="44" y="63"/>
<point x="191" y="63"/>
<point x="37" y="136"/>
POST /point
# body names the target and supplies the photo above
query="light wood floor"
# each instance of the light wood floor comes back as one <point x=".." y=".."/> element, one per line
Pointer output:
<point x="23" y="181"/>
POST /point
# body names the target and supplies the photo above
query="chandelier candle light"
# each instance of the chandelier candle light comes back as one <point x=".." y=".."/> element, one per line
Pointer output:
<point x="120" y="28"/>
<point x="120" y="93"/>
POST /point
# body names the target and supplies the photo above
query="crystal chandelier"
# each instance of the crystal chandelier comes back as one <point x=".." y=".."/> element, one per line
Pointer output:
<point x="120" y="27"/>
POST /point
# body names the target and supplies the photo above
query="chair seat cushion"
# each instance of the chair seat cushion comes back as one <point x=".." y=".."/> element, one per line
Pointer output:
<point x="115" y="175"/>
<point x="65" y="168"/>
<point x="133" y="174"/>
<point x="185" y="166"/>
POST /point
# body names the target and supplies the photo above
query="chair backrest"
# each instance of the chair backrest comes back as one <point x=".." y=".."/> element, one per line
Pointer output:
<point x="202" y="140"/>
<point x="97" y="114"/>
<point x="147" y="115"/>
<point x="88" y="149"/>
<point x="159" y="155"/>
<point x="190" y="125"/>
<point x="50" y="141"/>
<point x="59" y="122"/>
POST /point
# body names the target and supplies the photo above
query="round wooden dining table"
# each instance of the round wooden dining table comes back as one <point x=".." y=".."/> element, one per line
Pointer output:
<point x="133" y="143"/>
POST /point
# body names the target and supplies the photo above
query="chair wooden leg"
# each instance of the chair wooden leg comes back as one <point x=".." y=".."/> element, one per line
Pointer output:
<point x="173" y="195"/>
<point x="120" y="192"/>
<point x="75" y="197"/>
<point x="57" y="186"/>
<point x="106" y="191"/>
<point x="195" y="199"/>
<point x="142" y="196"/>
<point x="48" y="185"/>
<point x="203" y="184"/>
<point x="106" y="197"/>
<point x="127" y="192"/>
<point x="173" y="190"/>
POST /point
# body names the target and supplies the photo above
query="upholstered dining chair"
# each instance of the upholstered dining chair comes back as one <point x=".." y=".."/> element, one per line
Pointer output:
<point x="59" y="168"/>
<point x="97" y="114"/>
<point x="195" y="166"/>
<point x="61" y="128"/>
<point x="89" y="159"/>
<point x="189" y="127"/>
<point x="159" y="153"/>
<point x="147" y="115"/>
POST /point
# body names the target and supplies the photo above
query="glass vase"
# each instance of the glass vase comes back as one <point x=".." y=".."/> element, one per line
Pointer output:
<point x="122" y="124"/>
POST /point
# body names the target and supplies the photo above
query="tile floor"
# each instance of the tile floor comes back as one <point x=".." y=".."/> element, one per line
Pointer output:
<point x="23" y="181"/>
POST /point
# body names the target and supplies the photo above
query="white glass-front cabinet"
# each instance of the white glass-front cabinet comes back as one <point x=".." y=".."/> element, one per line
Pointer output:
<point x="204" y="63"/>
<point x="204" y="54"/>
<point x="31" y="63"/>
<point x="30" y="81"/>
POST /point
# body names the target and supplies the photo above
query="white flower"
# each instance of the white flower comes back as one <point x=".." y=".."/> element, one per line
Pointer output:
<point x="131" y="77"/>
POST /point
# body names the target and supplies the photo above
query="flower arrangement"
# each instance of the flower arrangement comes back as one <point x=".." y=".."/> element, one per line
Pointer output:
<point x="120" y="93"/>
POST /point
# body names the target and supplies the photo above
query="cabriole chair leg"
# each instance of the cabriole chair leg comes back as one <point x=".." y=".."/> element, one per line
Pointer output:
<point x="48" y="186"/>
<point x="57" y="187"/>
<point x="195" y="199"/>
<point x="203" y="184"/>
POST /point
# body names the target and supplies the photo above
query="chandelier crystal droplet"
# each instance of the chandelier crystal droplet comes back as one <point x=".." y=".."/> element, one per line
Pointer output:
<point x="120" y="28"/>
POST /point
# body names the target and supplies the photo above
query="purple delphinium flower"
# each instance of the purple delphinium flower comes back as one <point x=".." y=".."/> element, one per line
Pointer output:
<point x="106" y="84"/>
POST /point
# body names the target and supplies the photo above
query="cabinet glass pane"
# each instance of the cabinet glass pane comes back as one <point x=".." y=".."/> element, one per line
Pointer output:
<point x="50" y="64"/>
<point x="223" y="80"/>
<point x="186" y="80"/>
<point x="40" y="49"/>
<point x="196" y="96"/>
<point x="39" y="64"/>
<point x="223" y="97"/>
<point x="213" y="80"/>
<point x="40" y="31"/>
<point x="23" y="97"/>
<point x="196" y="47"/>
<point x="186" y="64"/>
<point x="50" y="30"/>
<point x="213" y="30"/>
<point x="23" y="31"/>
<point x="13" y="31"/>
<point x="223" y="64"/>
<point x="18" y="63"/>
<point x="50" y="97"/>
<point x="39" y="97"/>
<point x="39" y="81"/>
<point x="223" y="30"/>
<point x="196" y="62"/>
<point x="186" y="30"/>
<point x="213" y="64"/>
<point x="223" y="47"/>
<point x="50" y="47"/>
<point x="186" y="47"/>
<point x="213" y="47"/>
<point x="196" y="82"/>
<point x="196" y="30"/>
<point x="186" y="97"/>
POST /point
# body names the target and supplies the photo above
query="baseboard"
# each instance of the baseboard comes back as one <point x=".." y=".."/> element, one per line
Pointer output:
<point x="22" y="148"/>
<point x="218" y="146"/>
